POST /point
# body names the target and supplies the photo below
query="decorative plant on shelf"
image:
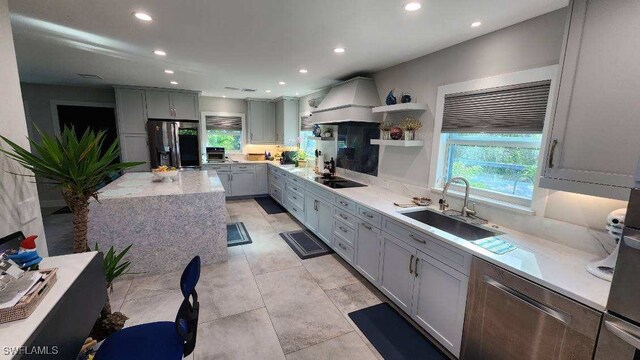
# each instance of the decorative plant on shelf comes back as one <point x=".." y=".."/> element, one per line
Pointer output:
<point x="114" y="266"/>
<point x="385" y="126"/>
<point x="410" y="125"/>
<point x="79" y="166"/>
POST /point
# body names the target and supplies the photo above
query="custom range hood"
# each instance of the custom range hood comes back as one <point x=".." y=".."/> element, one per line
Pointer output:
<point x="349" y="101"/>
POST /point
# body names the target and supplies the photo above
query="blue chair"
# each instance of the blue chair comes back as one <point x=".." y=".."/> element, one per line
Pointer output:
<point x="164" y="339"/>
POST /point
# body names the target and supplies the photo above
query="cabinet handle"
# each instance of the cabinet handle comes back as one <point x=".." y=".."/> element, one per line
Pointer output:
<point x="415" y="267"/>
<point x="343" y="216"/>
<point x="559" y="315"/>
<point x="422" y="241"/>
<point x="411" y="263"/>
<point x="230" y="177"/>
<point x="622" y="334"/>
<point x="366" y="226"/>
<point x="343" y="203"/>
<point x="294" y="209"/>
<point x="367" y="214"/>
<point x="342" y="246"/>
<point x="342" y="228"/>
<point x="295" y="198"/>
<point x="315" y="205"/>
<point x="554" y="143"/>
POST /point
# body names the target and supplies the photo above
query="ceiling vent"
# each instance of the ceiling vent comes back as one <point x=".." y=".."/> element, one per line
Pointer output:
<point x="91" y="76"/>
<point x="231" y="88"/>
<point x="249" y="90"/>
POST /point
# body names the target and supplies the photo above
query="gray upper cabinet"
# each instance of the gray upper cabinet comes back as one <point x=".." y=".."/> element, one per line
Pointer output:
<point x="131" y="111"/>
<point x="593" y="146"/>
<point x="159" y="105"/>
<point x="287" y="123"/>
<point x="261" y="122"/>
<point x="171" y="105"/>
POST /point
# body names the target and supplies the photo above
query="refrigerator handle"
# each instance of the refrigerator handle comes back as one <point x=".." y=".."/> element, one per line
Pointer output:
<point x="622" y="334"/>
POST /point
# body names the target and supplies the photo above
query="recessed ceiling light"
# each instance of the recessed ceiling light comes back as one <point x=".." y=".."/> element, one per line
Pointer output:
<point x="224" y="96"/>
<point x="160" y="53"/>
<point x="174" y="82"/>
<point x="303" y="71"/>
<point x="476" y="24"/>
<point x="338" y="50"/>
<point x="281" y="83"/>
<point x="412" y="6"/>
<point x="267" y="91"/>
<point x="168" y="71"/>
<point x="142" y="16"/>
<point x="297" y="94"/>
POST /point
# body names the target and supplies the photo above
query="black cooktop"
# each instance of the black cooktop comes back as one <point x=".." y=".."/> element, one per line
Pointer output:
<point x="338" y="182"/>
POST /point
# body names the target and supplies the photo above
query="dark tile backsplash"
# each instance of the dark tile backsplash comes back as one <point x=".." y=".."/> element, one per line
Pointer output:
<point x="355" y="151"/>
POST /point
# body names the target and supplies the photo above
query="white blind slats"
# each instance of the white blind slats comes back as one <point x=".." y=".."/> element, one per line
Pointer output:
<point x="514" y="108"/>
<point x="223" y="123"/>
<point x="306" y="124"/>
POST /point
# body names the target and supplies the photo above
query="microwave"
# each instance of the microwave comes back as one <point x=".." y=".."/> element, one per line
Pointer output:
<point x="215" y="154"/>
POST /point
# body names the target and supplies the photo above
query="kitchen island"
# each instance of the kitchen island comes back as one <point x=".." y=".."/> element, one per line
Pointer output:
<point x="168" y="223"/>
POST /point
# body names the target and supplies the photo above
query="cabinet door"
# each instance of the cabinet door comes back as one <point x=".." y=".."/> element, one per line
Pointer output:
<point x="594" y="138"/>
<point x="269" y="123"/>
<point x="226" y="183"/>
<point x="439" y="299"/>
<point x="311" y="209"/>
<point x="262" y="179"/>
<point x="367" y="258"/>
<point x="243" y="183"/>
<point x="397" y="274"/>
<point x="276" y="194"/>
<point x="131" y="110"/>
<point x="256" y="121"/>
<point x="325" y="222"/>
<point x="185" y="106"/>
<point x="280" y="122"/>
<point x="291" y="122"/>
<point x="158" y="104"/>
<point x="135" y="147"/>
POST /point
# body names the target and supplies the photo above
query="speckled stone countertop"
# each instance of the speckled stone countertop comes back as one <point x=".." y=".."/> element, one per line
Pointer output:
<point x="557" y="267"/>
<point x="146" y="184"/>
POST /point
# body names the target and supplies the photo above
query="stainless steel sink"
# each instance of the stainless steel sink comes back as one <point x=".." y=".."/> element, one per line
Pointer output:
<point x="451" y="225"/>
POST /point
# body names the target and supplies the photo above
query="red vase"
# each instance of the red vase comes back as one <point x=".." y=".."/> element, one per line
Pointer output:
<point x="395" y="133"/>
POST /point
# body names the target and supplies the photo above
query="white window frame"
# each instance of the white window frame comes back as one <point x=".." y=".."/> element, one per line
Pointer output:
<point x="203" y="131"/>
<point x="439" y="148"/>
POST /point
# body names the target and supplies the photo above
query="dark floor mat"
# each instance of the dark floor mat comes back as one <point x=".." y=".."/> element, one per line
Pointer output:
<point x="64" y="210"/>
<point x="305" y="244"/>
<point x="270" y="206"/>
<point x="237" y="234"/>
<point x="392" y="335"/>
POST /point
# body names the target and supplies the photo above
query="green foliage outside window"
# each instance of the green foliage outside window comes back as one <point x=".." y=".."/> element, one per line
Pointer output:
<point x="230" y="140"/>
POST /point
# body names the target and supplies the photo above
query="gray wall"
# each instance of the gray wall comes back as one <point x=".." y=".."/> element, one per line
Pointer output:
<point x="18" y="194"/>
<point x="38" y="98"/>
<point x="533" y="43"/>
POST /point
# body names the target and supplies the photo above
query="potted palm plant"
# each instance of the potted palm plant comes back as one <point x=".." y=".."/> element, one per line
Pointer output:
<point x="78" y="166"/>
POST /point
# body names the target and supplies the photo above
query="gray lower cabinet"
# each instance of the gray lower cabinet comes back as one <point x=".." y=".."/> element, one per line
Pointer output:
<point x="368" y="246"/>
<point x="243" y="183"/>
<point x="225" y="179"/>
<point x="276" y="194"/>
<point x="397" y="278"/>
<point x="319" y="217"/>
<point x="439" y="300"/>
<point x="262" y="179"/>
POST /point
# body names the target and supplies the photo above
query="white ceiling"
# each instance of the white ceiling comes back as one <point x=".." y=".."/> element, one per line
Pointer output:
<point x="242" y="43"/>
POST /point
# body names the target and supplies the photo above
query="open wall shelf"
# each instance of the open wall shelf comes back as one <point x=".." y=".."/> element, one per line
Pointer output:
<point x="403" y="143"/>
<point x="400" y="107"/>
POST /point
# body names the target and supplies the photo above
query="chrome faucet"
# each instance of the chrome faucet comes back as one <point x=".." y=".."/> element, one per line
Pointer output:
<point x="465" y="206"/>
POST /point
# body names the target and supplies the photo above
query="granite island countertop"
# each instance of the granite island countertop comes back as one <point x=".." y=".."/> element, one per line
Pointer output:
<point x="547" y="263"/>
<point x="146" y="184"/>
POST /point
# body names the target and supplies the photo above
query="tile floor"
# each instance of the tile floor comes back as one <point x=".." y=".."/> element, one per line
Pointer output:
<point x="264" y="303"/>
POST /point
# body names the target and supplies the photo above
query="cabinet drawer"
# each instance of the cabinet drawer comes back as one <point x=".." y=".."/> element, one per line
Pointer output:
<point x="369" y="216"/>
<point x="296" y="199"/>
<point x="217" y="167"/>
<point x="276" y="193"/>
<point x="343" y="249"/>
<point x="456" y="258"/>
<point x="345" y="204"/>
<point x="296" y="211"/>
<point x="319" y="192"/>
<point x="345" y="217"/>
<point x="295" y="188"/>
<point x="297" y="180"/>
<point x="344" y="231"/>
<point x="243" y="167"/>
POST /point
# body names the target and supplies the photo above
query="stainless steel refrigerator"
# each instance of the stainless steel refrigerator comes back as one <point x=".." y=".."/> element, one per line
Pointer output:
<point x="173" y="143"/>
<point x="620" y="329"/>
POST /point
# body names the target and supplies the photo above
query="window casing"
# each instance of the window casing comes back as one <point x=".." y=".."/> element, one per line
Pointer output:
<point x="225" y="132"/>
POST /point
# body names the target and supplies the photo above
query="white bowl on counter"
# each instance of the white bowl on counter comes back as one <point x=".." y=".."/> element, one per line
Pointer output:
<point x="165" y="175"/>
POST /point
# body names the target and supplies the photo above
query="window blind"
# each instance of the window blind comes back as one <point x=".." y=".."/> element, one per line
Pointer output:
<point x="516" y="108"/>
<point x="306" y="124"/>
<point x="223" y="123"/>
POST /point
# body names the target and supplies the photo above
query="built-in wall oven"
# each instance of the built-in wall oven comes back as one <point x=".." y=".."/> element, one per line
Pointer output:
<point x="620" y="330"/>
